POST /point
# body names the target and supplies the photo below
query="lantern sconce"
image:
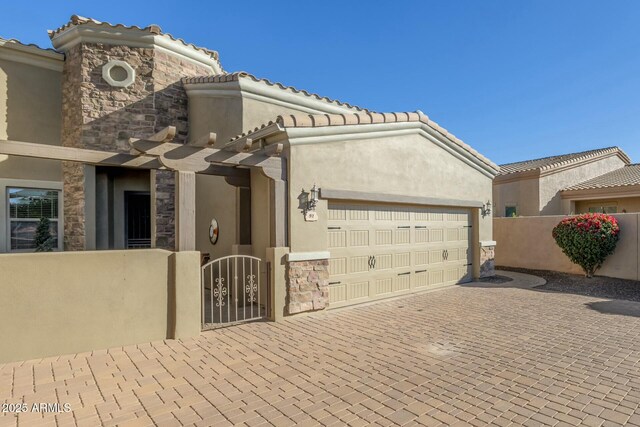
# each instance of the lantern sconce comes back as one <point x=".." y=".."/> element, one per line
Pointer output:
<point x="310" y="213"/>
<point x="486" y="209"/>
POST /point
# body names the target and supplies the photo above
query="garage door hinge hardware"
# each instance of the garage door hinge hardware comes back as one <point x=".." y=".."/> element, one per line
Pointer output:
<point x="467" y="226"/>
<point x="404" y="274"/>
<point x="335" y="228"/>
<point x="421" y="271"/>
<point x="421" y="226"/>
<point x="467" y="265"/>
<point x="404" y="226"/>
<point x="334" y="283"/>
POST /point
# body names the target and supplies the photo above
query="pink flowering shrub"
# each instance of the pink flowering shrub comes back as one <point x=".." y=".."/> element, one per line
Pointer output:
<point x="587" y="239"/>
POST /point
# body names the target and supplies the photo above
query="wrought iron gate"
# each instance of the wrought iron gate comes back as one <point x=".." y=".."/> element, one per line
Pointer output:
<point x="234" y="289"/>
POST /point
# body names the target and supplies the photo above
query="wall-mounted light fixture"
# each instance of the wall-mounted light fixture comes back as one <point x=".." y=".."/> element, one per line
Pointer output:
<point x="311" y="203"/>
<point x="313" y="198"/>
<point x="486" y="209"/>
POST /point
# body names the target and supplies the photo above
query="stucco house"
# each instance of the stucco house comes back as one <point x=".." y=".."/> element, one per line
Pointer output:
<point x="601" y="180"/>
<point x="129" y="138"/>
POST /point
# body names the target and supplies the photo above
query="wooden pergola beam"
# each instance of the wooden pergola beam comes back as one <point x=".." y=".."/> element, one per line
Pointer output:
<point x="273" y="149"/>
<point x="156" y="144"/>
<point x="241" y="146"/>
<point x="92" y="157"/>
<point x="165" y="135"/>
<point x="272" y="167"/>
<point x="207" y="140"/>
<point x="104" y="158"/>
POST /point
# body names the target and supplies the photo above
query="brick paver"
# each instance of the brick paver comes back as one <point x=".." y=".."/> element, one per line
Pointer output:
<point x="462" y="356"/>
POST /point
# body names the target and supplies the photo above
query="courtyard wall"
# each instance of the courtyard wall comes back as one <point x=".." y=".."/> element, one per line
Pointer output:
<point x="526" y="242"/>
<point x="70" y="302"/>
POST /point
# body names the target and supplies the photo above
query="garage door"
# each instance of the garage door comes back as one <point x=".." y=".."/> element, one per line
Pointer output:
<point x="380" y="251"/>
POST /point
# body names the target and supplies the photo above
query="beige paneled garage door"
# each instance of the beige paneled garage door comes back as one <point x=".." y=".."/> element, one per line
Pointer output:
<point x="379" y="251"/>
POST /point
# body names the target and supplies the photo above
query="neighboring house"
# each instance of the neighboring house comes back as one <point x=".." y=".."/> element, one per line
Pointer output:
<point x="565" y="184"/>
<point x="617" y="191"/>
<point x="401" y="200"/>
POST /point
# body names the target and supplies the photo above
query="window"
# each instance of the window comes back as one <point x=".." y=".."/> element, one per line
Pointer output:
<point x="510" y="211"/>
<point x="26" y="207"/>
<point x="603" y="209"/>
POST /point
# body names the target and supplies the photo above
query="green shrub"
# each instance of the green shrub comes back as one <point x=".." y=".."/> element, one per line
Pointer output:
<point x="587" y="239"/>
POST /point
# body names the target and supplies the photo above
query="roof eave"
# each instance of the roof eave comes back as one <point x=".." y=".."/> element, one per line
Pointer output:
<point x="571" y="163"/>
<point x="267" y="131"/>
<point x="602" y="192"/>
<point x="251" y="87"/>
<point x="91" y="32"/>
<point x="13" y="50"/>
<point x="517" y="176"/>
<point x="555" y="168"/>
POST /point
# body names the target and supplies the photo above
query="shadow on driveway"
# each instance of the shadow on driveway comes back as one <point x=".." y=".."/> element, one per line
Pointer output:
<point x="537" y="284"/>
<point x="620" y="307"/>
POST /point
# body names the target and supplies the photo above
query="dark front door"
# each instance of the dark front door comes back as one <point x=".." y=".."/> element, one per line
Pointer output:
<point x="137" y="210"/>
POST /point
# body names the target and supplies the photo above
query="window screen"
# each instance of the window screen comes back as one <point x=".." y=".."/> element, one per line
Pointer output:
<point x="26" y="207"/>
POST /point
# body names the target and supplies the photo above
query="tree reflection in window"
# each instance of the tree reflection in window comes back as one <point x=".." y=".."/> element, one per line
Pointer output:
<point x="26" y="207"/>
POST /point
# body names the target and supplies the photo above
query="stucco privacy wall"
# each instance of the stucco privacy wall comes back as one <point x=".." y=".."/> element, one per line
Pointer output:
<point x="528" y="243"/>
<point x="552" y="184"/>
<point x="82" y="301"/>
<point x="407" y="165"/>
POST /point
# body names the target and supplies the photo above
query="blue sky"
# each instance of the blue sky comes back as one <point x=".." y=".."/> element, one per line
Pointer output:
<point x="514" y="79"/>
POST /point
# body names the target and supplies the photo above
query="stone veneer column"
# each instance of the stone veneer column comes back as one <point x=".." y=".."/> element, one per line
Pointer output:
<point x="487" y="259"/>
<point x="73" y="205"/>
<point x="171" y="107"/>
<point x="307" y="285"/>
<point x="73" y="173"/>
<point x="98" y="116"/>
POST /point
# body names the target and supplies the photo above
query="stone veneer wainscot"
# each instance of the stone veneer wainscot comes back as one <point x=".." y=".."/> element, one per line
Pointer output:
<point x="307" y="285"/>
<point x="487" y="259"/>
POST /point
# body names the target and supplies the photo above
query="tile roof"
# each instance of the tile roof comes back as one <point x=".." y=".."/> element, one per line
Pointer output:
<point x="363" y="118"/>
<point x="623" y="177"/>
<point x="77" y="20"/>
<point x="233" y="77"/>
<point x="4" y="41"/>
<point x="547" y="163"/>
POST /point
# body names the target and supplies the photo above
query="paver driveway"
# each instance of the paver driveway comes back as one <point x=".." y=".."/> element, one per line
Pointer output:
<point x="465" y="355"/>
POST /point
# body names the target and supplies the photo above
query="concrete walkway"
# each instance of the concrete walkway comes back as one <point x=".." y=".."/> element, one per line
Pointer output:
<point x="475" y="354"/>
